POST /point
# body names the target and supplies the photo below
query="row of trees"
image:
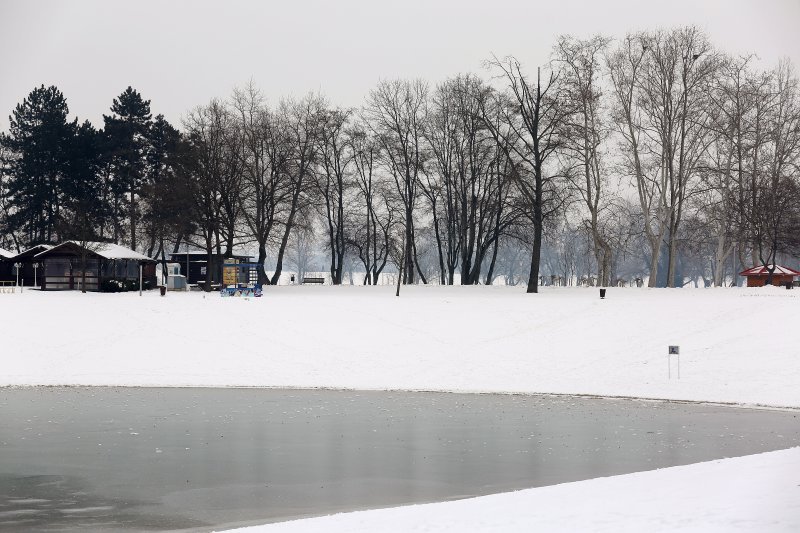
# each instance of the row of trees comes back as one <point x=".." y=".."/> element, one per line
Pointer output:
<point x="651" y="150"/>
<point x="67" y="180"/>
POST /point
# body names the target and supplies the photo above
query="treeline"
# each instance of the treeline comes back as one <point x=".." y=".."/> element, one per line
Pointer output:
<point x="67" y="180"/>
<point x="654" y="155"/>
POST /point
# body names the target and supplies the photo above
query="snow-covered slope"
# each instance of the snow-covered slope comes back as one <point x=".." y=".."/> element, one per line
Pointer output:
<point x="736" y="345"/>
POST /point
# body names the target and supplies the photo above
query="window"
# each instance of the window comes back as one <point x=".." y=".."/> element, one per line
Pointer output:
<point x="57" y="266"/>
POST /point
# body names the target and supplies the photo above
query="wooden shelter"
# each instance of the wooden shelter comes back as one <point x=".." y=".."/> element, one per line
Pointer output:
<point x="30" y="271"/>
<point x="64" y="266"/>
<point x="197" y="263"/>
<point x="781" y="276"/>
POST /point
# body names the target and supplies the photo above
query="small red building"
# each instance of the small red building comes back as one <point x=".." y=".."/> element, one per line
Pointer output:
<point x="757" y="276"/>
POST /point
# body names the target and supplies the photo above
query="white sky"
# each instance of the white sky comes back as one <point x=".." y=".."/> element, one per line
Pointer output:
<point x="181" y="53"/>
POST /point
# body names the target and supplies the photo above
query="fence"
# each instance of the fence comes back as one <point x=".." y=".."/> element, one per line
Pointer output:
<point x="7" y="286"/>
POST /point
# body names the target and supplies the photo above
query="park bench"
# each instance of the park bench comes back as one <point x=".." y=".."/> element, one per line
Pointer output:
<point x="7" y="286"/>
<point x="314" y="280"/>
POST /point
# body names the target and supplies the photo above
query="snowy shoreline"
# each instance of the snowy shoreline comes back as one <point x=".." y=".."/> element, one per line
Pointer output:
<point x="755" y="407"/>
<point x="755" y="493"/>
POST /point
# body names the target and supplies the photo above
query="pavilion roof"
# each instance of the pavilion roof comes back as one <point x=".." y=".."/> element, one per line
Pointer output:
<point x="105" y="250"/>
<point x="763" y="270"/>
<point x="33" y="251"/>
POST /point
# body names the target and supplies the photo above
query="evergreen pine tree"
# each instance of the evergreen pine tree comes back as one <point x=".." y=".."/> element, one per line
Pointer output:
<point x="38" y="140"/>
<point x="83" y="208"/>
<point x="127" y="131"/>
<point x="163" y="208"/>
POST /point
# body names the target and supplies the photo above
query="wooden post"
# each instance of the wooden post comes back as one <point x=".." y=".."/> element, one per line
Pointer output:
<point x="402" y="264"/>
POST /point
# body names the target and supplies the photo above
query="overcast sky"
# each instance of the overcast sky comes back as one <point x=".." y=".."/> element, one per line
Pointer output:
<point x="180" y="54"/>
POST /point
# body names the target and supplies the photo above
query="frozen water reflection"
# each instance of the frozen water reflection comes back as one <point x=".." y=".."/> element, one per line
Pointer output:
<point x="157" y="459"/>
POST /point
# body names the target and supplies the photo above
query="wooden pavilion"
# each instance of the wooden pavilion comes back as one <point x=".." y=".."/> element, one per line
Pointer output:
<point x="781" y="276"/>
<point x="64" y="266"/>
<point x="30" y="271"/>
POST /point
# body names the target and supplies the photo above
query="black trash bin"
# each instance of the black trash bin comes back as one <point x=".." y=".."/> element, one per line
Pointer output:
<point x="163" y="290"/>
<point x="602" y="293"/>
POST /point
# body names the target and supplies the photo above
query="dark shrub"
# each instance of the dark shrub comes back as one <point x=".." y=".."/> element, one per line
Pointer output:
<point x="111" y="285"/>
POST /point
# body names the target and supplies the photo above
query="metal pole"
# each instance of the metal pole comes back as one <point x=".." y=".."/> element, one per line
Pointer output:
<point x="187" y="266"/>
<point x="140" y="279"/>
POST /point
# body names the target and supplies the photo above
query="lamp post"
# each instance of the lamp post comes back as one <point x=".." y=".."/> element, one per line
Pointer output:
<point x="17" y="266"/>
<point x="35" y="268"/>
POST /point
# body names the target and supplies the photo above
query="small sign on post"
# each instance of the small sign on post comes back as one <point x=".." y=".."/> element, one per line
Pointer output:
<point x="676" y="351"/>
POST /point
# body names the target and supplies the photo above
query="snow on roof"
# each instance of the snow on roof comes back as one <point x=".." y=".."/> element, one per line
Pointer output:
<point x="33" y="251"/>
<point x="115" y="251"/>
<point x="37" y="247"/>
<point x="106" y="250"/>
<point x="763" y="270"/>
<point x="6" y="254"/>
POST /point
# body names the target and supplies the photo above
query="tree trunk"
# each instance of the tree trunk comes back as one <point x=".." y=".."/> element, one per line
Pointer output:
<point x="262" y="256"/>
<point x="533" y="279"/>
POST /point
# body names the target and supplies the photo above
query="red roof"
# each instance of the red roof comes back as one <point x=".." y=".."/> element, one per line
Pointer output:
<point x="763" y="270"/>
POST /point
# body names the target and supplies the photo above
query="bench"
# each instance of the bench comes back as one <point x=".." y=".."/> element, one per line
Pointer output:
<point x="313" y="280"/>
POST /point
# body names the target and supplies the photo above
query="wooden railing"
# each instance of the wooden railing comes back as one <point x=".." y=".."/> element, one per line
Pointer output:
<point x="7" y="286"/>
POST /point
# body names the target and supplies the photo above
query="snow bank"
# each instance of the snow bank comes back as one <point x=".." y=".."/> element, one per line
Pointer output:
<point x="755" y="494"/>
<point x="737" y="345"/>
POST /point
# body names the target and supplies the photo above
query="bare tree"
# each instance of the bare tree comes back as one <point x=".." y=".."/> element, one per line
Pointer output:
<point x="716" y="205"/>
<point x="333" y="183"/>
<point x="531" y="118"/>
<point x="208" y="164"/>
<point x="662" y="82"/>
<point x="585" y="132"/>
<point x="370" y="229"/>
<point x="300" y="251"/>
<point x="396" y="114"/>
<point x="303" y="122"/>
<point x="467" y="181"/>
<point x="264" y="154"/>
<point x="777" y="195"/>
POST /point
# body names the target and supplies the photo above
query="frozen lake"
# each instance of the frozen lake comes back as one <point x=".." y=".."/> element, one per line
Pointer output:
<point x="125" y="458"/>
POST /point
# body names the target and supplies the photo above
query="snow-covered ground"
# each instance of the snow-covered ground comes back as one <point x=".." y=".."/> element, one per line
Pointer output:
<point x="736" y="345"/>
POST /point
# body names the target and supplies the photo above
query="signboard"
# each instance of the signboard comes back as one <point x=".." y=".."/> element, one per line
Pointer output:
<point x="230" y="274"/>
<point x="674" y="350"/>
